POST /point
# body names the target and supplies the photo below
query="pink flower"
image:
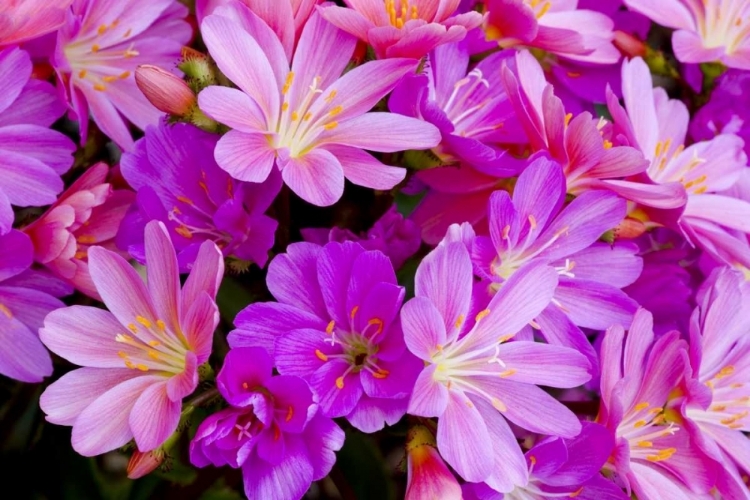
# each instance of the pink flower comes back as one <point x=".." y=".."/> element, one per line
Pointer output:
<point x="709" y="30"/>
<point x="24" y="20"/>
<point x="303" y="117"/>
<point x="167" y="92"/>
<point x="428" y="476"/>
<point x="98" y="50"/>
<point x="403" y="28"/>
<point x="654" y="456"/>
<point x="140" y="359"/>
<point x="87" y="213"/>
<point x="657" y="126"/>
<point x="556" y="27"/>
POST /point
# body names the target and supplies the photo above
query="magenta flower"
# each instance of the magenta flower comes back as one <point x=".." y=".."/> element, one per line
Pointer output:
<point x="26" y="297"/>
<point x="470" y="108"/>
<point x="33" y="156"/>
<point x="301" y="116"/>
<point x="88" y="213"/>
<point x="559" y="28"/>
<point x="706" y="31"/>
<point x="285" y="17"/>
<point x="560" y="468"/>
<point x="24" y="20"/>
<point x="582" y="145"/>
<point x="336" y="325"/>
<point x="654" y="456"/>
<point x="180" y="184"/>
<point x="396" y="237"/>
<point x="474" y="378"/>
<point x="97" y="52"/>
<point x="657" y="126"/>
<point x="403" y="28"/>
<point x="717" y="401"/>
<point x="139" y="360"/>
<point x="533" y="226"/>
<point x="272" y="429"/>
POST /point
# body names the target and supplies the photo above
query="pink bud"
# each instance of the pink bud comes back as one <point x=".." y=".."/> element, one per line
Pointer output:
<point x="142" y="463"/>
<point x="629" y="45"/>
<point x="428" y="476"/>
<point x="164" y="90"/>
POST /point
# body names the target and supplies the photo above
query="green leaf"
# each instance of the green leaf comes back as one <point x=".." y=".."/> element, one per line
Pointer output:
<point x="220" y="491"/>
<point x="364" y="468"/>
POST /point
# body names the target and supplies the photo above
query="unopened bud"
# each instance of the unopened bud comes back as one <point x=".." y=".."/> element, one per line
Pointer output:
<point x="197" y="68"/>
<point x="629" y="45"/>
<point x="142" y="463"/>
<point x="167" y="92"/>
<point x="428" y="476"/>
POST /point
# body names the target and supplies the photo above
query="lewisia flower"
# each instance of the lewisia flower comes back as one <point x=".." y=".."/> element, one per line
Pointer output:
<point x="556" y="27"/>
<point x="88" y="213"/>
<point x="140" y="359"/>
<point x="26" y="296"/>
<point x="474" y="375"/>
<point x="720" y="359"/>
<point x="403" y="28"/>
<point x="33" y="156"/>
<point x="285" y="17"/>
<point x="272" y="429"/>
<point x="657" y="126"/>
<point x="396" y="237"/>
<point x="24" y="20"/>
<point x="582" y="145"/>
<point x="98" y="50"/>
<point x="533" y="226"/>
<point x="301" y="116"/>
<point x="563" y="468"/>
<point x="428" y="476"/>
<point x="180" y="184"/>
<point x="710" y="30"/>
<point x="654" y="457"/>
<point x="336" y="325"/>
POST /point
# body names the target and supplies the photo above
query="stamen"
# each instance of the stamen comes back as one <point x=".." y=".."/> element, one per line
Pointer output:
<point x="320" y="355"/>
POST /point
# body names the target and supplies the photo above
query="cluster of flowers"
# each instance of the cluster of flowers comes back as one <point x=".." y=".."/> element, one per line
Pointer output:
<point x="582" y="231"/>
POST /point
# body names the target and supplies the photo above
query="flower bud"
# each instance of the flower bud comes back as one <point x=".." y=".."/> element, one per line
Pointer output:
<point x="428" y="476"/>
<point x="142" y="463"/>
<point x="629" y="45"/>
<point x="165" y="91"/>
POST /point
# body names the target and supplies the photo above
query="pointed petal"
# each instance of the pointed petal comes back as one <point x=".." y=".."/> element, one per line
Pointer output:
<point x="317" y="177"/>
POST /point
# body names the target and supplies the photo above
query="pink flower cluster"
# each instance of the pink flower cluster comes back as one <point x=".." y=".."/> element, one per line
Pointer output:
<point x="473" y="227"/>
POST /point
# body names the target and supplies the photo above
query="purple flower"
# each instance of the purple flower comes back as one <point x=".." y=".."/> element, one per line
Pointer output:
<point x="98" y="49"/>
<point x="717" y="400"/>
<point x="24" y="20"/>
<point x="33" y="156"/>
<point x="393" y="235"/>
<point x="560" y="468"/>
<point x="272" y="429"/>
<point x="299" y="115"/>
<point x="654" y="456"/>
<point x="470" y="108"/>
<point x="336" y="325"/>
<point x="728" y="110"/>
<point x="141" y="358"/>
<point x="26" y="297"/>
<point x="180" y="184"/>
<point x="474" y="378"/>
<point x="533" y="226"/>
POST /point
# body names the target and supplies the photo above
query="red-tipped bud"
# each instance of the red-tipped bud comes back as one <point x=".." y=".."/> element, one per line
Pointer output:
<point x="629" y="45"/>
<point x="141" y="463"/>
<point x="164" y="90"/>
<point x="428" y="476"/>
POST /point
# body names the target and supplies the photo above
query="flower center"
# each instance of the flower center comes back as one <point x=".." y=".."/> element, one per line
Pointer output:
<point x="151" y="346"/>
<point x="643" y="427"/>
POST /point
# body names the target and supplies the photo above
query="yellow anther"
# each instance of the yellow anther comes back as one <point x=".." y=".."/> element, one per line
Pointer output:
<point x="109" y="78"/>
<point x="145" y="322"/>
<point x="124" y="75"/>
<point x="153" y="354"/>
<point x="133" y="328"/>
<point x="701" y="190"/>
<point x="340" y="382"/>
<point x="95" y="48"/>
<point x="482" y="314"/>
<point x="184" y="199"/>
<point x="645" y="444"/>
<point x="641" y="406"/>
<point x="6" y="311"/>
<point x="568" y="117"/>
<point x="102" y="29"/>
<point x="82" y="73"/>
<point x="127" y="33"/>
<point x="507" y="373"/>
<point x="331" y="96"/>
<point x="307" y="117"/>
<point x="86" y="239"/>
<point x="532" y="459"/>
<point x="122" y="354"/>
<point x="381" y="373"/>
<point x="499" y="405"/>
<point x="657" y="151"/>
<point x="607" y="144"/>
<point x="639" y="424"/>
<point x="130" y="364"/>
<point x="736" y="385"/>
<point x="142" y="367"/>
<point x="288" y="82"/>
<point x="99" y="87"/>
<point x="354" y="311"/>
<point x="183" y="231"/>
<point x="329" y="327"/>
<point x="284" y="106"/>
<point x="154" y="343"/>
<point x="335" y="111"/>
<point x="506" y="338"/>
<point x="459" y="321"/>
<point x="320" y="355"/>
<point x="532" y="221"/>
<point x="295" y="116"/>
<point x="331" y="125"/>
<point x="289" y="413"/>
<point x="122" y="338"/>
<point x="725" y="372"/>
<point x="81" y="255"/>
<point x="576" y="492"/>
<point x="161" y="325"/>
